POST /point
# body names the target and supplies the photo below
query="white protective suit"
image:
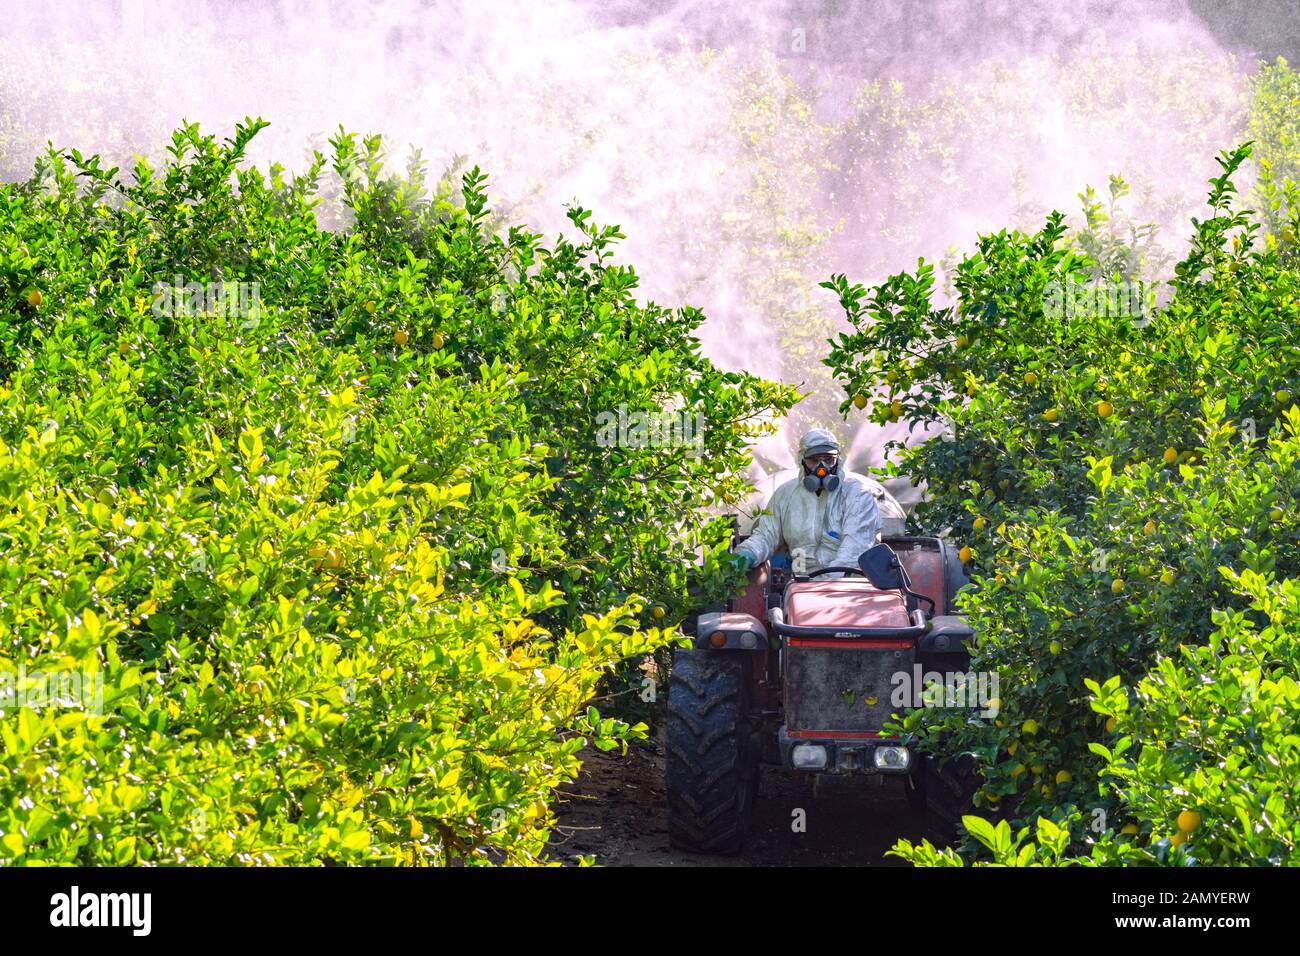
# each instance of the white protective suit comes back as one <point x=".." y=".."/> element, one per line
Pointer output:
<point x="832" y="528"/>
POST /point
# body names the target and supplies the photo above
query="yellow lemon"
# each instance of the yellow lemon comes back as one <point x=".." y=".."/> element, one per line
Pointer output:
<point x="891" y="377"/>
<point x="1110" y="725"/>
<point x="1030" y="727"/>
<point x="1281" y="396"/>
<point x="370" y="307"/>
<point x="1178" y="839"/>
<point x="1275" y="514"/>
<point x="658" y="612"/>
<point x="978" y="523"/>
<point x="896" y="410"/>
<point x="1188" y="821"/>
<point x="34" y="298"/>
<point x="1130" y="828"/>
<point x="859" y="400"/>
<point x="1170" y="456"/>
<point x="1149" y="527"/>
<point x="1054" y="647"/>
<point x="1105" y="409"/>
<point x="401" y="337"/>
<point x="438" y="341"/>
<point x="1031" y="378"/>
<point x="1017" y="770"/>
<point x="1037" y="768"/>
<point x="1015" y="745"/>
<point x="1062" y="776"/>
<point x="1117" y="586"/>
<point x="964" y="554"/>
<point x="1051" y="414"/>
<point x="1167" y="577"/>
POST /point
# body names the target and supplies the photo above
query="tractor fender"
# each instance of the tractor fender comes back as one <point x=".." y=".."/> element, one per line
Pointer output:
<point x="947" y="633"/>
<point x="730" y="631"/>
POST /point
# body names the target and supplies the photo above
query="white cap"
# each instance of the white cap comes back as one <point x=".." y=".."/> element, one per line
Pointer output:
<point x="817" y="441"/>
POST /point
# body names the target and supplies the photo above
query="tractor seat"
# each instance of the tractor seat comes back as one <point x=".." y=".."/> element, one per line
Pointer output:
<point x="844" y="602"/>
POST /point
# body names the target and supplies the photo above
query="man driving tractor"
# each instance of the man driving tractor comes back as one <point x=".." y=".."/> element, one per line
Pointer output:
<point x="798" y="671"/>
<point x="826" y="517"/>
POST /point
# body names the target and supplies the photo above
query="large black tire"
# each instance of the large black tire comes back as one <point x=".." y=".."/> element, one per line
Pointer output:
<point x="914" y="786"/>
<point x="947" y="791"/>
<point x="712" y="750"/>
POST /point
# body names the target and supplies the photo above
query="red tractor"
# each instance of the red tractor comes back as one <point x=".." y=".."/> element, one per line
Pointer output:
<point x="801" y="671"/>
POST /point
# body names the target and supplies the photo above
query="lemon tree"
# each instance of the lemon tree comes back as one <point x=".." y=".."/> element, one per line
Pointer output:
<point x="1123" y="469"/>
<point x="330" y="577"/>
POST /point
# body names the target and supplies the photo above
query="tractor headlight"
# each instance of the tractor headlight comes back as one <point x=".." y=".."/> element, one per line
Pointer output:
<point x="809" y="757"/>
<point x="892" y="758"/>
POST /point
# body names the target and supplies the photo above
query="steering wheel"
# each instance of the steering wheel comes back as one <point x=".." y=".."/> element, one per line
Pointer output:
<point x="833" y="568"/>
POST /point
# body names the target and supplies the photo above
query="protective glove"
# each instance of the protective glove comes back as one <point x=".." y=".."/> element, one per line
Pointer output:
<point x="743" y="560"/>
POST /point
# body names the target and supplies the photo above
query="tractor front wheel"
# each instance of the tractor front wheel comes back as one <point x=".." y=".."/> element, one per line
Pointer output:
<point x="914" y="785"/>
<point x="712" y="750"/>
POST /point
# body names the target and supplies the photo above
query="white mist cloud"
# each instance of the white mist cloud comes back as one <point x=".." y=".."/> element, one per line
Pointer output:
<point x="739" y="145"/>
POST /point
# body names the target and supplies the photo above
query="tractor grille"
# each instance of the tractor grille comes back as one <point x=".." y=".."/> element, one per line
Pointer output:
<point x="841" y="684"/>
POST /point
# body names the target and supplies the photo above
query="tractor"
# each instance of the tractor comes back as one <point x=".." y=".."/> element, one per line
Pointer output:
<point x="801" y="671"/>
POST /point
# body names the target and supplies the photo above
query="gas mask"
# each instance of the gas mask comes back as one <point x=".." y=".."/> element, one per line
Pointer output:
<point x="822" y="477"/>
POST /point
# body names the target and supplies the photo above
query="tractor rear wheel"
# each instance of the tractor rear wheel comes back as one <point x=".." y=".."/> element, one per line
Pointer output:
<point x="713" y="750"/>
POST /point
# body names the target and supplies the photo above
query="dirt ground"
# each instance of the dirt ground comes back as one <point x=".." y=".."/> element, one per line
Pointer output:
<point x="615" y="811"/>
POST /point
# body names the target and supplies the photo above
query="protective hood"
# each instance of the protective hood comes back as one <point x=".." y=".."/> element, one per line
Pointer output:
<point x="817" y="441"/>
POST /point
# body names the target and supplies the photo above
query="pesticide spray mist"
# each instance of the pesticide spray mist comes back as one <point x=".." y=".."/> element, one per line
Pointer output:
<point x="748" y="150"/>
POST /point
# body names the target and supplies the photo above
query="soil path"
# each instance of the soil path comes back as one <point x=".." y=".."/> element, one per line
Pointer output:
<point x="615" y="811"/>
